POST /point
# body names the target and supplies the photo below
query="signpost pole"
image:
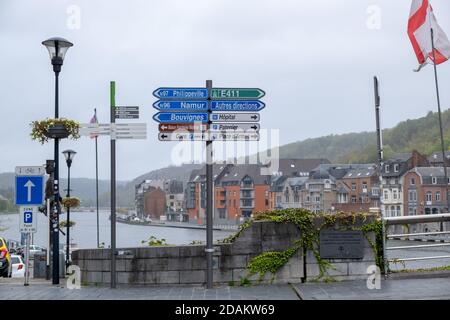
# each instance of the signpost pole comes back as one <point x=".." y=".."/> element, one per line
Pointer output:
<point x="27" y="259"/>
<point x="113" y="184"/>
<point x="209" y="199"/>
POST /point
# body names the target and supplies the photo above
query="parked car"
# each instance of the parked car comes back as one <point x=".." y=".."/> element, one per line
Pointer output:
<point x="17" y="266"/>
<point x="5" y="259"/>
<point x="33" y="249"/>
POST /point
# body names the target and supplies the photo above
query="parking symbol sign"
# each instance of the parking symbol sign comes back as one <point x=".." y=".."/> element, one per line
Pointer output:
<point x="28" y="217"/>
<point x="27" y="223"/>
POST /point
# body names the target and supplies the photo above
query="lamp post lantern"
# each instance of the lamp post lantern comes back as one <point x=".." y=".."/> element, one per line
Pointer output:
<point x="69" y="155"/>
<point x="57" y="48"/>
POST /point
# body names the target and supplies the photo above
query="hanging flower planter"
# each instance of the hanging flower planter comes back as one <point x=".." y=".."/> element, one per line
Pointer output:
<point x="54" y="129"/>
<point x="71" y="202"/>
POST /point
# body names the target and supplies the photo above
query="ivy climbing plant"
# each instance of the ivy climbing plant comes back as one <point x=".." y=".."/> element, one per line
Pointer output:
<point x="310" y="224"/>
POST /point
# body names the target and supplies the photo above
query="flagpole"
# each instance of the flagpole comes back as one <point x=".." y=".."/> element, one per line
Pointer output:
<point x="96" y="183"/>
<point x="440" y="118"/>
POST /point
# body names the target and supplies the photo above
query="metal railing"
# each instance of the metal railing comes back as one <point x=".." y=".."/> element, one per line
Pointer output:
<point x="407" y="220"/>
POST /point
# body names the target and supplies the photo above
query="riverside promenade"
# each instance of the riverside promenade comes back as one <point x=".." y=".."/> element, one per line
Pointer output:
<point x="421" y="288"/>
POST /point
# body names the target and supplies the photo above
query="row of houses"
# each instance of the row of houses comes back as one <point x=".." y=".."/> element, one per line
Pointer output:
<point x="411" y="184"/>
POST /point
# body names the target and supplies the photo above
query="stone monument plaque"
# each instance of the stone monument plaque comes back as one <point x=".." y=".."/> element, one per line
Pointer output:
<point x="335" y="244"/>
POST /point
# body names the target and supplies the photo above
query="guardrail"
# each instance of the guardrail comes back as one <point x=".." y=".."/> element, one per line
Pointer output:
<point x="406" y="220"/>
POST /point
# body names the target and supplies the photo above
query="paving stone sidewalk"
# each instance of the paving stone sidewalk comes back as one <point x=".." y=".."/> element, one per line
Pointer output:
<point x="42" y="290"/>
<point x="392" y="289"/>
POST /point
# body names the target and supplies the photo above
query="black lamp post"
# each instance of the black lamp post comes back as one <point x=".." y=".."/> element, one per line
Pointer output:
<point x="69" y="155"/>
<point x="57" y="48"/>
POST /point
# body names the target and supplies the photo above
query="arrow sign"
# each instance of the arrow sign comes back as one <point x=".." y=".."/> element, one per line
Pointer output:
<point x="237" y="105"/>
<point x="182" y="136"/>
<point x="181" y="93"/>
<point x="244" y="127"/>
<point x="29" y="185"/>
<point x="188" y="106"/>
<point x="234" y="117"/>
<point x="237" y="93"/>
<point x="180" y="117"/>
<point x="235" y="136"/>
<point x="186" y="127"/>
<point x="29" y="190"/>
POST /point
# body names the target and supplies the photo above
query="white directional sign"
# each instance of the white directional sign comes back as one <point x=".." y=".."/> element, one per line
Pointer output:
<point x="30" y="171"/>
<point x="231" y="127"/>
<point x="28" y="219"/>
<point x="182" y="136"/>
<point x="116" y="130"/>
<point x="234" y="117"/>
<point x="240" y="136"/>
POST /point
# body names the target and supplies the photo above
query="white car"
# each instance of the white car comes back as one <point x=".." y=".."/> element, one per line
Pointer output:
<point x="18" y="267"/>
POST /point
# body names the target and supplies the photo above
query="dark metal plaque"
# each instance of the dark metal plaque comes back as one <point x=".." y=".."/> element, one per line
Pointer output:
<point x="336" y="244"/>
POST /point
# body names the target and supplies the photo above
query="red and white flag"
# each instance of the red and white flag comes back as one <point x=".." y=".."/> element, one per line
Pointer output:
<point x="94" y="120"/>
<point x="421" y="21"/>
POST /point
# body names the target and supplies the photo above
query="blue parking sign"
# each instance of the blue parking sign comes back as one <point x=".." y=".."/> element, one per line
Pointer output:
<point x="29" y="190"/>
<point x="28" y="217"/>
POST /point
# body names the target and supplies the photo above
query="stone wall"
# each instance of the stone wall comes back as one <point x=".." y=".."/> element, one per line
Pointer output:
<point x="172" y="265"/>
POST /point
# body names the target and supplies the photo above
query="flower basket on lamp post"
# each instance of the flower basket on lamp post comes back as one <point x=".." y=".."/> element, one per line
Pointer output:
<point x="54" y="129"/>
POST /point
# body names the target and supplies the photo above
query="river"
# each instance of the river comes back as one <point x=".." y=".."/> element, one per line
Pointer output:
<point x="84" y="233"/>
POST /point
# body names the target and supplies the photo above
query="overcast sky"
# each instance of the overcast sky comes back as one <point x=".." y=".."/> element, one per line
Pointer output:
<point x="315" y="60"/>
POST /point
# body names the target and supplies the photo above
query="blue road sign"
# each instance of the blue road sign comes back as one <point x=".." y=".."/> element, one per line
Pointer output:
<point x="181" y="93"/>
<point x="181" y="117"/>
<point x="29" y="190"/>
<point x="185" y="106"/>
<point x="28" y="217"/>
<point x="237" y="105"/>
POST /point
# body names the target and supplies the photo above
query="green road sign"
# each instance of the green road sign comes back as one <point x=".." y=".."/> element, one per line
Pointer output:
<point x="237" y="93"/>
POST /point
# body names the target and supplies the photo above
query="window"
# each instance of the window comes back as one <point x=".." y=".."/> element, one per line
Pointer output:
<point x="412" y="195"/>
<point x="386" y="168"/>
<point x="364" y="186"/>
<point x="393" y="211"/>
<point x="398" y="211"/>
<point x="428" y="197"/>
<point x="394" y="194"/>
<point x="386" y="195"/>
<point x="278" y="199"/>
<point x="413" y="181"/>
<point x="396" y="167"/>
<point x="317" y="198"/>
<point x="353" y="199"/>
<point x="438" y="196"/>
<point x="296" y="198"/>
<point x="222" y="214"/>
<point x="434" y="180"/>
<point x="353" y="186"/>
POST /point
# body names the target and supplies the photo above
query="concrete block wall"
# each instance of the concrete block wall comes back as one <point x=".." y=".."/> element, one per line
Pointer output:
<point x="174" y="265"/>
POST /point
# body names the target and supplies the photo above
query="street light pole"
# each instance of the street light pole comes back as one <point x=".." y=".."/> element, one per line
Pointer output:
<point x="68" y="154"/>
<point x="57" y="48"/>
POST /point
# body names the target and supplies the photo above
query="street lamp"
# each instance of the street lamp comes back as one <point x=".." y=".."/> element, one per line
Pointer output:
<point x="57" y="48"/>
<point x="69" y="155"/>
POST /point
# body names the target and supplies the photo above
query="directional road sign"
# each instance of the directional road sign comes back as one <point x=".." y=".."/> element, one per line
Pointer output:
<point x="232" y="127"/>
<point x="28" y="219"/>
<point x="237" y="105"/>
<point x="181" y="117"/>
<point x="29" y="190"/>
<point x="234" y="117"/>
<point x="234" y="136"/>
<point x="182" y="136"/>
<point x="186" y="106"/>
<point x="115" y="130"/>
<point x="30" y="171"/>
<point x="186" y="127"/>
<point x="181" y="93"/>
<point x="237" y="93"/>
<point x="125" y="112"/>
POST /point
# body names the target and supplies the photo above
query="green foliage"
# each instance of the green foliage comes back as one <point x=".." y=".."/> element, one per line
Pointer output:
<point x="197" y="242"/>
<point x="155" y="242"/>
<point x="443" y="268"/>
<point x="270" y="262"/>
<point x="40" y="128"/>
<point x="245" y="282"/>
<point x="63" y="224"/>
<point x="310" y="224"/>
<point x="245" y="225"/>
<point x="71" y="202"/>
<point x="420" y="134"/>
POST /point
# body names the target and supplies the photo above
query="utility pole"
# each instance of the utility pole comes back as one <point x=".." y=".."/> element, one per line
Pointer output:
<point x="209" y="197"/>
<point x="113" y="183"/>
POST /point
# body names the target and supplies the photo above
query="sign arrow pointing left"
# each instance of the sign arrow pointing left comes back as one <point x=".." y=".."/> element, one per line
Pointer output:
<point x="29" y="185"/>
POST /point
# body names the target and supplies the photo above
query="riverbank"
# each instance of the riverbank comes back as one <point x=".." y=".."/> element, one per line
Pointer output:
<point x="171" y="224"/>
